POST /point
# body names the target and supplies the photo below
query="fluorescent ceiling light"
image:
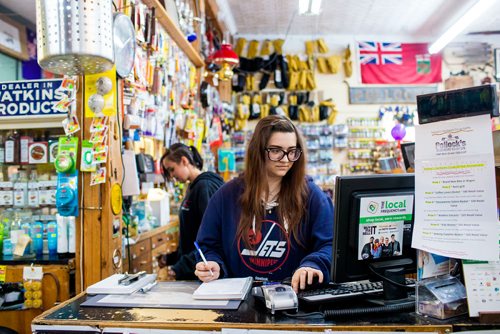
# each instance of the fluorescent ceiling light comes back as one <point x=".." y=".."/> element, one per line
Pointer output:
<point x="309" y="7"/>
<point x="462" y="23"/>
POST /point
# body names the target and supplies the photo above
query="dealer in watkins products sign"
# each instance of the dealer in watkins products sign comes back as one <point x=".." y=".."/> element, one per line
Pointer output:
<point x="33" y="98"/>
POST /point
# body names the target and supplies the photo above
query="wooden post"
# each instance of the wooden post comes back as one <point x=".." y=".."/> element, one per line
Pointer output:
<point x="100" y="255"/>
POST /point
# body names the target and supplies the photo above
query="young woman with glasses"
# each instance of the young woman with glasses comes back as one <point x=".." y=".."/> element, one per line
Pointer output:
<point x="272" y="222"/>
<point x="184" y="164"/>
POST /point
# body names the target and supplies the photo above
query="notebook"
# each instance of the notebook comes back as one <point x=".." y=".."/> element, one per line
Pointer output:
<point x="110" y="285"/>
<point x="226" y="288"/>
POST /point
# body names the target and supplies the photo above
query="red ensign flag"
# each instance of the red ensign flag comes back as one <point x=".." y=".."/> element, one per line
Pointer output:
<point x="398" y="63"/>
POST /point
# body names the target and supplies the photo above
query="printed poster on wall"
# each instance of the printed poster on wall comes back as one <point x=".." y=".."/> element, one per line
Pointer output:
<point x="381" y="221"/>
<point x="455" y="195"/>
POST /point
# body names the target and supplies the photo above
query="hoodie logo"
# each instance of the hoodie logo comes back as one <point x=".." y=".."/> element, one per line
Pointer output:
<point x="270" y="248"/>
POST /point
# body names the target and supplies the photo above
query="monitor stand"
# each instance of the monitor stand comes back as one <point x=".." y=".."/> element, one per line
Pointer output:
<point x="393" y="294"/>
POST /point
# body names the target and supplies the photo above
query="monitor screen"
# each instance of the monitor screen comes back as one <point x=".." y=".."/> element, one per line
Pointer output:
<point x="456" y="103"/>
<point x="373" y="225"/>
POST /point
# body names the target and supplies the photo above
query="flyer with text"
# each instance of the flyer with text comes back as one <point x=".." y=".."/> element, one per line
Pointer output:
<point x="381" y="225"/>
<point x="455" y="193"/>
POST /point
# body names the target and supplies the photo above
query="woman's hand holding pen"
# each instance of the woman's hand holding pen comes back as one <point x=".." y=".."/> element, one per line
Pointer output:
<point x="208" y="271"/>
<point x="305" y="276"/>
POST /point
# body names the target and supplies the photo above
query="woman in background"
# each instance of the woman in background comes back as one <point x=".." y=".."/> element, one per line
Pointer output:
<point x="271" y="223"/>
<point x="184" y="164"/>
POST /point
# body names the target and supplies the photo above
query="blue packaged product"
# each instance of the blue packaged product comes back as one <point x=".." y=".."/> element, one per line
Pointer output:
<point x="52" y="237"/>
<point x="7" y="247"/>
<point x="37" y="236"/>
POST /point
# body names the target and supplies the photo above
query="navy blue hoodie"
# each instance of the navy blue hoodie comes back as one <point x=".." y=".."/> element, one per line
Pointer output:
<point x="275" y="255"/>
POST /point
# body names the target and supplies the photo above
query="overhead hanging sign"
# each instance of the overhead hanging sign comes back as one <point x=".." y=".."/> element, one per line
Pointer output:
<point x="32" y="98"/>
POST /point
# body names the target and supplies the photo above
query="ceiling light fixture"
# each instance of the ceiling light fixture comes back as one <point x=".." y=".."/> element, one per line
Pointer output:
<point x="309" y="7"/>
<point x="462" y="23"/>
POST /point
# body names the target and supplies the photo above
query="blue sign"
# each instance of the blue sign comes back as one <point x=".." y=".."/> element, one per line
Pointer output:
<point x="31" y="98"/>
<point x="392" y="94"/>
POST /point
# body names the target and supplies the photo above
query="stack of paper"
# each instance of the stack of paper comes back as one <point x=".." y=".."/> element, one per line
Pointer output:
<point x="226" y="288"/>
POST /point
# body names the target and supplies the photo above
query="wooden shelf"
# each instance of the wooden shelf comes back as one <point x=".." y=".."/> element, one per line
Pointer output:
<point x="177" y="36"/>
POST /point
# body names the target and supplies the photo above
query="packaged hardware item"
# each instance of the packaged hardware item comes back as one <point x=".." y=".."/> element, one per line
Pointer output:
<point x="32" y="281"/>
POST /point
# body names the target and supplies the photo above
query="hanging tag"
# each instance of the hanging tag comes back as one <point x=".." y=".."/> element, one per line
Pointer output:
<point x="71" y="125"/>
<point x="32" y="273"/>
<point x="100" y="157"/>
<point x="98" y="124"/>
<point x="99" y="137"/>
<point x="87" y="157"/>
<point x="98" y="176"/>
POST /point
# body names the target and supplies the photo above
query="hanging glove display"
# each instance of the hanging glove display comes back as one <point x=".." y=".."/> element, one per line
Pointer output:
<point x="278" y="46"/>
<point x="293" y="109"/>
<point x="304" y="113"/>
<point x="294" y="80"/>
<point x="250" y="82"/>
<point x="321" y="46"/>
<point x="239" y="82"/>
<point x="321" y="65"/>
<point x="283" y="66"/>
<point x="265" y="49"/>
<point x="333" y="64"/>
<point x="347" y="62"/>
<point x="264" y="80"/>
<point x="310" y="47"/>
<point x="255" y="107"/>
<point x="242" y="113"/>
<point x="264" y="110"/>
<point x="240" y="46"/>
<point x="278" y="74"/>
<point x="253" y="48"/>
<point x="274" y="102"/>
<point x="310" y="81"/>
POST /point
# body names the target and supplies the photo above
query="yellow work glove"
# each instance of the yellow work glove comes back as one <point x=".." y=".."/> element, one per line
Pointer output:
<point x="240" y="46"/>
<point x="278" y="46"/>
<point x="265" y="49"/>
<point x="253" y="48"/>
<point x="321" y="45"/>
<point x="310" y="47"/>
<point x="333" y="64"/>
<point x="347" y="62"/>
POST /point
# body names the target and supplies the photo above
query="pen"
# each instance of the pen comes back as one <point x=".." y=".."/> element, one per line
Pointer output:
<point x="148" y="287"/>
<point x="202" y="256"/>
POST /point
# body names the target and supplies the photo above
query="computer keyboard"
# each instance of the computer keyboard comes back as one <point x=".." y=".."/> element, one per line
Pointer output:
<point x="345" y="290"/>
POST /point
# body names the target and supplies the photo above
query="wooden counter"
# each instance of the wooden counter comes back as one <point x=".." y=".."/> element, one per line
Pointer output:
<point x="56" y="287"/>
<point x="250" y="315"/>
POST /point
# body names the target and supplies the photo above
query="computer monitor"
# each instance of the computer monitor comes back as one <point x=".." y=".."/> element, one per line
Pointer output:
<point x="367" y="209"/>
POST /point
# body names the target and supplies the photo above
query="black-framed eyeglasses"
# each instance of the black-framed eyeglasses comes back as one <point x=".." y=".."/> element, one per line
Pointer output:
<point x="276" y="154"/>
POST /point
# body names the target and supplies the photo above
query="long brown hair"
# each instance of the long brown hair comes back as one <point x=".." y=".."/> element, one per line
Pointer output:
<point x="293" y="192"/>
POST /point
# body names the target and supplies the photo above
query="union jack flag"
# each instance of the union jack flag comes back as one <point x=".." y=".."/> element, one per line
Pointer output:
<point x="380" y="53"/>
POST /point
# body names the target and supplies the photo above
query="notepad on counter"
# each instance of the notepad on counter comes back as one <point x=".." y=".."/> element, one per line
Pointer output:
<point x="111" y="286"/>
<point x="225" y="288"/>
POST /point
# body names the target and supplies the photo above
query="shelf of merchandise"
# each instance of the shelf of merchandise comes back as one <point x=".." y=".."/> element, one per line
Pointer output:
<point x="175" y="33"/>
<point x="363" y="136"/>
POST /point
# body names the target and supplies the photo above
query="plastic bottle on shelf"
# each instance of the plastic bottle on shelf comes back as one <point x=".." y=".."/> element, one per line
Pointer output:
<point x="37" y="238"/>
<point x="33" y="196"/>
<point x="12" y="148"/>
<point x="2" y="150"/>
<point x="52" y="237"/>
<point x="26" y="226"/>
<point x="15" y="229"/>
